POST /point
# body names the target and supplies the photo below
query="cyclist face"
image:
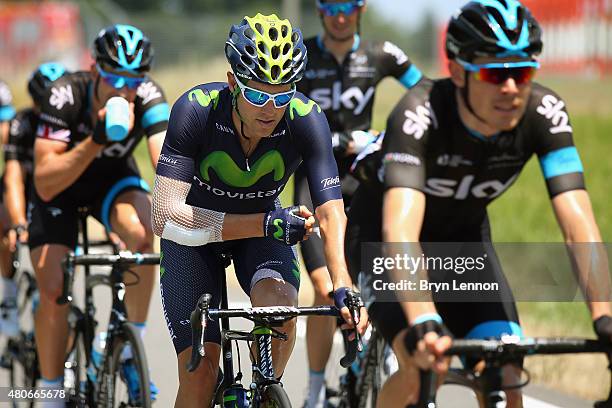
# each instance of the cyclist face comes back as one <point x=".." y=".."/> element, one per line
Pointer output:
<point x="110" y="83"/>
<point x="341" y="26"/>
<point x="498" y="95"/>
<point x="260" y="121"/>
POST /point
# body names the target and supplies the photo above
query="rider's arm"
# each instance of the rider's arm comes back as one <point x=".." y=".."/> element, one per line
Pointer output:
<point x="57" y="168"/>
<point x="313" y="138"/>
<point x="173" y="218"/>
<point x="154" y="145"/>
<point x="332" y="224"/>
<point x="403" y="176"/>
<point x="395" y="63"/>
<point x="403" y="210"/>
<point x="575" y="216"/>
<point x="14" y="192"/>
<point x="563" y="172"/>
<point x="151" y="101"/>
<point x="7" y="111"/>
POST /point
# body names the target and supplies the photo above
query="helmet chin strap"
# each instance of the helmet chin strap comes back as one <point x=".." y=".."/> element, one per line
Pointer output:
<point x="466" y="100"/>
<point x="235" y="94"/>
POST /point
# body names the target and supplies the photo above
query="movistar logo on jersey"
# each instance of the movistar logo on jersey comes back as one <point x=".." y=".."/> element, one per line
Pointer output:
<point x="204" y="99"/>
<point x="301" y="108"/>
<point x="353" y="98"/>
<point x="228" y="171"/>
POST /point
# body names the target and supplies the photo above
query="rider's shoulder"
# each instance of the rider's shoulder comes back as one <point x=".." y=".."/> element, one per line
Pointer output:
<point x="204" y="95"/>
<point x="423" y="93"/>
<point x="63" y="100"/>
<point x="302" y="107"/>
<point x="543" y="96"/>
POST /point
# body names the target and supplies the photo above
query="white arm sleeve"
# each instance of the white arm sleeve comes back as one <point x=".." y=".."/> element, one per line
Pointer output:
<point x="179" y="222"/>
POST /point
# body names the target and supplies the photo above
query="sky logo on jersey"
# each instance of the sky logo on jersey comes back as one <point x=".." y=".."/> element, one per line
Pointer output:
<point x="228" y="171"/>
<point x="60" y="96"/>
<point x="302" y="108"/>
<point x="204" y="99"/>
<point x="400" y="56"/>
<point x="460" y="190"/>
<point x="147" y="92"/>
<point x="418" y="122"/>
<point x="353" y="98"/>
<point x="553" y="109"/>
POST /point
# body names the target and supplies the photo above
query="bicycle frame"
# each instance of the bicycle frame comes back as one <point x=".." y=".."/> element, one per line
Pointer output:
<point x="266" y="318"/>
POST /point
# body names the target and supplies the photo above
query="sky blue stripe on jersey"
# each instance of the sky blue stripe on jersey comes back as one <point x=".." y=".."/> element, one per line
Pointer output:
<point x="495" y="328"/>
<point x="6" y="113"/>
<point x="155" y="114"/>
<point x="559" y="162"/>
<point x="411" y="76"/>
<point x="131" y="181"/>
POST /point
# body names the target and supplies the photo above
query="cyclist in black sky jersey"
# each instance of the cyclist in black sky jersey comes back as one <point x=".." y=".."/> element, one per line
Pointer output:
<point x="451" y="147"/>
<point x="17" y="181"/>
<point x="342" y="74"/>
<point x="77" y="164"/>
<point x="230" y="149"/>
<point x="8" y="310"/>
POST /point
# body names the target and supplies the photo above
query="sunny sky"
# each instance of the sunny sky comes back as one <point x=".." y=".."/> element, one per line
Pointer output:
<point x="409" y="11"/>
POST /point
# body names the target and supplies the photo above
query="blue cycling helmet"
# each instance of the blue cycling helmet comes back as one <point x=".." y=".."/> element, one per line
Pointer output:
<point x="124" y="48"/>
<point x="42" y="77"/>
<point x="493" y="28"/>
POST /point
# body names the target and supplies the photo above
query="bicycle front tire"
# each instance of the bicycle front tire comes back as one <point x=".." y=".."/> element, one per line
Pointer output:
<point x="274" y="396"/>
<point x="111" y="390"/>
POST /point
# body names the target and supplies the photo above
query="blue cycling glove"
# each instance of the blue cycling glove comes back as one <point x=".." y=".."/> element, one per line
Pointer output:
<point x="285" y="225"/>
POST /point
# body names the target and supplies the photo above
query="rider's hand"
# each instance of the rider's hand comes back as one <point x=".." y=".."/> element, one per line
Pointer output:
<point x="20" y="233"/>
<point x="427" y="341"/>
<point x="603" y="329"/>
<point x="340" y="295"/>
<point x="288" y="225"/>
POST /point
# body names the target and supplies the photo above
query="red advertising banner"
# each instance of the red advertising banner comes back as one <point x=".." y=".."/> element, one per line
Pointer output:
<point x="31" y="33"/>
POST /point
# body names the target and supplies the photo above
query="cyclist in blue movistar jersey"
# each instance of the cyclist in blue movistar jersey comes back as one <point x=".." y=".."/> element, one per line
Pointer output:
<point x="342" y="74"/>
<point x="77" y="164"/>
<point x="17" y="181"/>
<point x="230" y="149"/>
<point x="8" y="311"/>
<point x="451" y="147"/>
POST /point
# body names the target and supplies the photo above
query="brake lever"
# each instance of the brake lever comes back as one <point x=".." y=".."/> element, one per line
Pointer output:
<point x="353" y="302"/>
<point x="198" y="320"/>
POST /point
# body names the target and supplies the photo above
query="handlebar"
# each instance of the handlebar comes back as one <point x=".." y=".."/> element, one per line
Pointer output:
<point x="123" y="259"/>
<point x="202" y="313"/>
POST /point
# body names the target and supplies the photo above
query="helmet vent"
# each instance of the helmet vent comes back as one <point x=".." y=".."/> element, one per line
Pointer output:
<point x="295" y="37"/>
<point x="262" y="47"/>
<point x="286" y="49"/>
<point x="246" y="60"/>
<point x="259" y="28"/>
<point x="273" y="34"/>
<point x="275" y="72"/>
<point x="249" y="33"/>
<point x="284" y="31"/>
<point x="263" y="63"/>
<point x="275" y="52"/>
<point x="250" y="50"/>
<point x="287" y="64"/>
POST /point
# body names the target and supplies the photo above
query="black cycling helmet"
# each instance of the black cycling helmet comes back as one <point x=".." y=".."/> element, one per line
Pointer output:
<point x="493" y="28"/>
<point x="123" y="47"/>
<point x="42" y="77"/>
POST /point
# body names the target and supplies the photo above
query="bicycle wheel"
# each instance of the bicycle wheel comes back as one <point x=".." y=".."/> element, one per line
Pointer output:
<point x="274" y="396"/>
<point x="21" y="360"/>
<point x="78" y="385"/>
<point x="114" y="390"/>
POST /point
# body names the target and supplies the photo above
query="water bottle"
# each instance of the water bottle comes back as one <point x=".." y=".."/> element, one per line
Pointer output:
<point x="117" y="118"/>
<point x="235" y="397"/>
<point x="97" y="351"/>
